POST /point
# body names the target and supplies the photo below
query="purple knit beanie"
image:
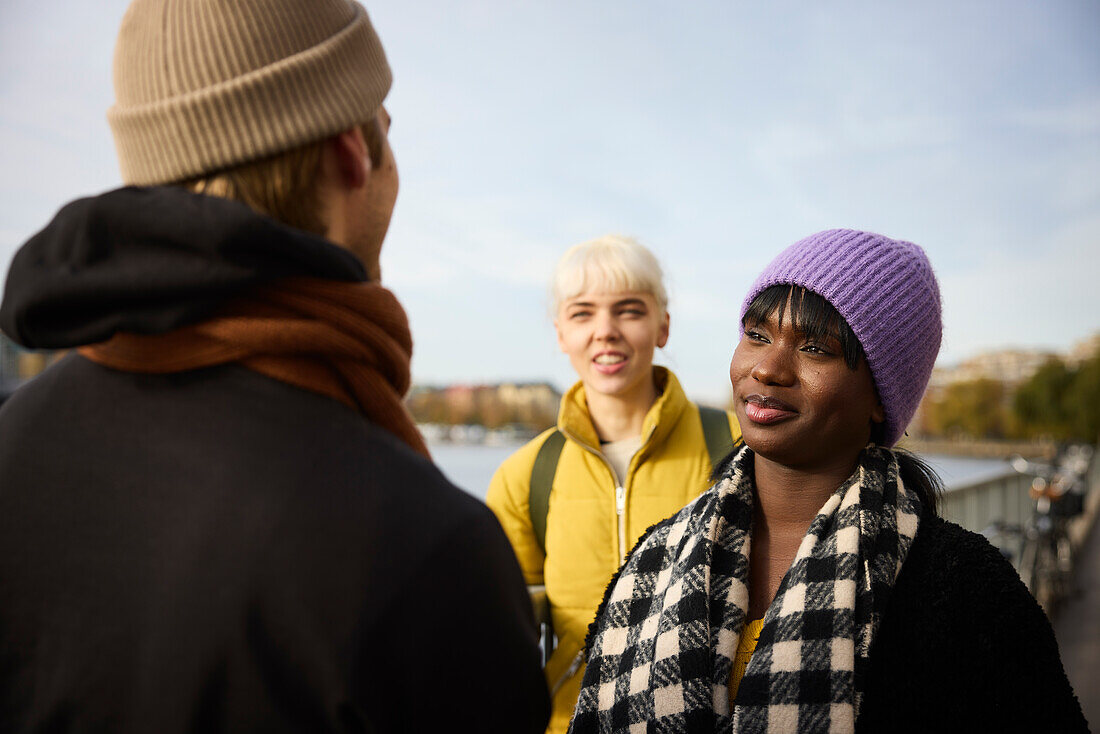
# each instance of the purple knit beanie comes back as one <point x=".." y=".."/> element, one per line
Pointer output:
<point x="886" y="291"/>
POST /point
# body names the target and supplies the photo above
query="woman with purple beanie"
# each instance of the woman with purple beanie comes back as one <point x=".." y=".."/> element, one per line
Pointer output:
<point x="814" y="588"/>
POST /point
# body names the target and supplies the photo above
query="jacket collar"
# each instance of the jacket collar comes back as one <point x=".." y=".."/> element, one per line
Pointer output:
<point x="574" y="421"/>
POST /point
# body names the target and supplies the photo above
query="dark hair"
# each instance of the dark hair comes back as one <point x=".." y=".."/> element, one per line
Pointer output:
<point x="921" y="478"/>
<point x="815" y="317"/>
<point x="812" y="315"/>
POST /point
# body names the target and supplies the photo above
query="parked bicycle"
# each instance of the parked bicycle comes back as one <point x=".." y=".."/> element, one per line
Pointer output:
<point x="1040" y="548"/>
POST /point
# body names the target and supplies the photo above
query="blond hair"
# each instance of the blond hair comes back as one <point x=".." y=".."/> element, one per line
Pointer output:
<point x="611" y="263"/>
<point x="284" y="186"/>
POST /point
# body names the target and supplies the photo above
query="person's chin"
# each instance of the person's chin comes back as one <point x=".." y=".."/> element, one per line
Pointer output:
<point x="603" y="386"/>
<point x="617" y="385"/>
<point x="775" y="442"/>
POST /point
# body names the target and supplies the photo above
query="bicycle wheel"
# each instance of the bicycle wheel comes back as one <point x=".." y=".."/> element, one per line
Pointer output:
<point x="1029" y="565"/>
<point x="1063" y="562"/>
<point x="1047" y="574"/>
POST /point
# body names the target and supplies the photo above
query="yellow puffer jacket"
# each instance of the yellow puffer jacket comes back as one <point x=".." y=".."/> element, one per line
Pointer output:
<point x="583" y="548"/>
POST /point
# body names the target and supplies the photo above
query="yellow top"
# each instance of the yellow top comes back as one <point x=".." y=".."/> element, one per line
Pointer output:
<point x="745" y="648"/>
<point x="583" y="548"/>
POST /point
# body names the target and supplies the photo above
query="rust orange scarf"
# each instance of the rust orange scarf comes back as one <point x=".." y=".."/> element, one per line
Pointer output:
<point x="349" y="341"/>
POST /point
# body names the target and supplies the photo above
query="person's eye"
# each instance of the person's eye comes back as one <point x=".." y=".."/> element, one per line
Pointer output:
<point x="578" y="315"/>
<point x="633" y="311"/>
<point x="814" y="348"/>
<point x="755" y="336"/>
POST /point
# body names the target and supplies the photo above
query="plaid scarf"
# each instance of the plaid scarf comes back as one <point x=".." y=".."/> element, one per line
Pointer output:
<point x="662" y="646"/>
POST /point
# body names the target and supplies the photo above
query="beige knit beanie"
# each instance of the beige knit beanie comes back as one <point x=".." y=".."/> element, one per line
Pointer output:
<point x="203" y="85"/>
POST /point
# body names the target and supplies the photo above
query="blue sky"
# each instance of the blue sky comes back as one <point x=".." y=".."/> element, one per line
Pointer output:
<point x="717" y="133"/>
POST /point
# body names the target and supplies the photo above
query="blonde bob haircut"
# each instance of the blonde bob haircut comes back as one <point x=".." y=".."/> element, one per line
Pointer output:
<point x="613" y="264"/>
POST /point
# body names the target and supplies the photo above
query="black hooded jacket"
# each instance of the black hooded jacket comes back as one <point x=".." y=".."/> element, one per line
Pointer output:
<point x="215" y="550"/>
<point x="963" y="647"/>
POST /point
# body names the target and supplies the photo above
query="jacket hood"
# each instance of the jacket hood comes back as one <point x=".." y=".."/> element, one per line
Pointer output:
<point x="149" y="260"/>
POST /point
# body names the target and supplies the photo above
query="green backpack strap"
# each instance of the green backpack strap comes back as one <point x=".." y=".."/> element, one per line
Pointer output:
<point x="542" y="479"/>
<point x="716" y="433"/>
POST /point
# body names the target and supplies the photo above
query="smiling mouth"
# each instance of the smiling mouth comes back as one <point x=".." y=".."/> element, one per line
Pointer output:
<point x="608" y="363"/>
<point x="765" y="411"/>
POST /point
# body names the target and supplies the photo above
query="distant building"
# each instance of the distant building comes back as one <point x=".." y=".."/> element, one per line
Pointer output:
<point x="1084" y="350"/>
<point x="533" y="405"/>
<point x="1010" y="366"/>
<point x="529" y="395"/>
<point x="459" y="400"/>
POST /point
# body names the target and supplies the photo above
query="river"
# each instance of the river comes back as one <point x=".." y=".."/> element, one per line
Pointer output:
<point x="472" y="466"/>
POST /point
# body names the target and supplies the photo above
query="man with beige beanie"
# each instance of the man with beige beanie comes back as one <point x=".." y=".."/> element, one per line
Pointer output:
<point x="215" y="512"/>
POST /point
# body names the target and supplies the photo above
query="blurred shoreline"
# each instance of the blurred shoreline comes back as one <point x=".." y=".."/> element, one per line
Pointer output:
<point x="471" y="465"/>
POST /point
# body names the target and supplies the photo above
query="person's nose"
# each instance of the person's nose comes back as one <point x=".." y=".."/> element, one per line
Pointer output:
<point x="607" y="327"/>
<point x="774" y="366"/>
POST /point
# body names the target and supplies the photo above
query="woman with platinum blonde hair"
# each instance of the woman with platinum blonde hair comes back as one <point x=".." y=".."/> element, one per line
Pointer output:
<point x="814" y="588"/>
<point x="629" y="448"/>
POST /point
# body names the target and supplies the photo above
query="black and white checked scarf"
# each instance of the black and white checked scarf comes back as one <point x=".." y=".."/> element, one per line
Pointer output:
<point x="661" y="648"/>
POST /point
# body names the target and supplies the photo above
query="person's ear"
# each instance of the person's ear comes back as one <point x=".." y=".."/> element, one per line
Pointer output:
<point x="662" y="335"/>
<point x="878" y="413"/>
<point x="557" y="330"/>
<point x="352" y="161"/>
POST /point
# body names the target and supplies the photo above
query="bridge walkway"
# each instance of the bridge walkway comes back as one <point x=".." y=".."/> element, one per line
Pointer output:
<point x="1077" y="627"/>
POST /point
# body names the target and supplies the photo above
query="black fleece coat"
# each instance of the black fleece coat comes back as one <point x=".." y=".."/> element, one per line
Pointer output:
<point x="963" y="646"/>
<point x="218" y="551"/>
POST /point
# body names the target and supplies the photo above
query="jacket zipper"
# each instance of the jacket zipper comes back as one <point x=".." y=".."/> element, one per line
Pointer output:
<point x="620" y="500"/>
<point x="620" y="510"/>
<point x="620" y="489"/>
<point x="620" y="493"/>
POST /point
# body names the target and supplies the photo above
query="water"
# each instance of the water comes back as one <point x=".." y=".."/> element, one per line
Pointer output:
<point x="956" y="471"/>
<point x="472" y="466"/>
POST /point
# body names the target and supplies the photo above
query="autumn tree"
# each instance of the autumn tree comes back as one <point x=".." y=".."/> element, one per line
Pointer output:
<point x="1061" y="402"/>
<point x="976" y="408"/>
<point x="1082" y="401"/>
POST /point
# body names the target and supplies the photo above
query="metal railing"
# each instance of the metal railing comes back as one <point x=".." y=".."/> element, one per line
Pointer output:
<point x="977" y="505"/>
<point x="1001" y="498"/>
<point x="1004" y="499"/>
